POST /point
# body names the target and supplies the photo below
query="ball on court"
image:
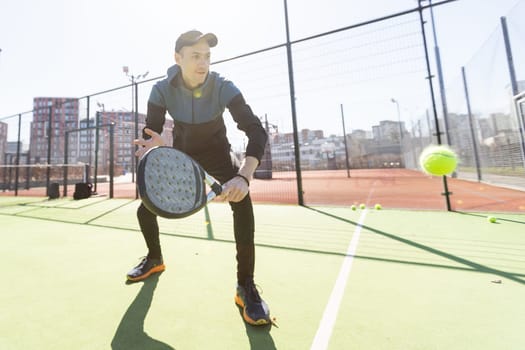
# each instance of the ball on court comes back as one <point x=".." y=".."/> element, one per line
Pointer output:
<point x="378" y="206"/>
<point x="362" y="206"/>
<point x="491" y="219"/>
<point x="353" y="207"/>
<point x="438" y="160"/>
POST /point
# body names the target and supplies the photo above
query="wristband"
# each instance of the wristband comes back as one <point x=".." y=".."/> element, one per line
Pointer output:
<point x="244" y="178"/>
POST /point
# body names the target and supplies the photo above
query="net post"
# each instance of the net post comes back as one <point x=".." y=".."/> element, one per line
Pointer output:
<point x="66" y="151"/>
<point x="85" y="177"/>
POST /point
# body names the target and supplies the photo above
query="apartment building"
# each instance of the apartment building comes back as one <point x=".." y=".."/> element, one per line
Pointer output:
<point x="52" y="117"/>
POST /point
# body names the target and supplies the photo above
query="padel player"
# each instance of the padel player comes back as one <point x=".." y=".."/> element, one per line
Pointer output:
<point x="196" y="98"/>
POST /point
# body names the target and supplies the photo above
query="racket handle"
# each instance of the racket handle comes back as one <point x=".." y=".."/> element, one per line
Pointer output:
<point x="216" y="188"/>
<point x="210" y="196"/>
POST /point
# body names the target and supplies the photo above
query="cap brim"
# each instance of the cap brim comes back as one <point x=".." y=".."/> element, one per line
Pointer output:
<point x="210" y="38"/>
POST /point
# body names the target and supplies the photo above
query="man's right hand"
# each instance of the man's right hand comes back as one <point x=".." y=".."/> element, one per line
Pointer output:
<point x="145" y="145"/>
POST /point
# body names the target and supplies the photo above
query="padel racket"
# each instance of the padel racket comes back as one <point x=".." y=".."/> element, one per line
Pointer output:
<point x="173" y="185"/>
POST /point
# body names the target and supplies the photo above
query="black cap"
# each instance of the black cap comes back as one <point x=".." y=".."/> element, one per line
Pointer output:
<point x="191" y="37"/>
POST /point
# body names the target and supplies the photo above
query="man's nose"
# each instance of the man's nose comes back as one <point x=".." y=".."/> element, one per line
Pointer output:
<point x="203" y="61"/>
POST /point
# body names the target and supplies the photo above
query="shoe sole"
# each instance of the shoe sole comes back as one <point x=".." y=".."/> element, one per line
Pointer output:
<point x="248" y="319"/>
<point x="156" y="269"/>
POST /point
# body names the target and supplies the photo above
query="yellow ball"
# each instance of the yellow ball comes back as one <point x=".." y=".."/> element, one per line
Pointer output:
<point x="491" y="219"/>
<point x="378" y="206"/>
<point x="438" y="160"/>
<point x="362" y="206"/>
<point x="353" y="207"/>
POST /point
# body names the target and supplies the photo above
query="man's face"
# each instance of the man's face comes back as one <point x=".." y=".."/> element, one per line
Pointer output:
<point x="194" y="62"/>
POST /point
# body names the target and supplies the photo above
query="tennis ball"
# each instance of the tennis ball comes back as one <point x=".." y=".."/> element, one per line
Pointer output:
<point x="438" y="160"/>
<point x="353" y="207"/>
<point x="491" y="219"/>
<point x="362" y="206"/>
<point x="378" y="206"/>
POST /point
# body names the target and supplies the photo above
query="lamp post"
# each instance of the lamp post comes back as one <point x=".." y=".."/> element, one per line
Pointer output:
<point x="134" y="110"/>
<point x="398" y="119"/>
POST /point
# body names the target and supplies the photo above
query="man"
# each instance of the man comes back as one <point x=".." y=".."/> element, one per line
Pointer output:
<point x="196" y="98"/>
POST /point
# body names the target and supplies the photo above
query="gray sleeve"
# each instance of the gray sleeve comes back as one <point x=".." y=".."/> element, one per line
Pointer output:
<point x="228" y="92"/>
<point x="156" y="97"/>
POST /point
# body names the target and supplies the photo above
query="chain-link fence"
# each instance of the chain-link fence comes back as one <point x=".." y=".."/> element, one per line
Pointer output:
<point x="482" y="123"/>
<point x="361" y="101"/>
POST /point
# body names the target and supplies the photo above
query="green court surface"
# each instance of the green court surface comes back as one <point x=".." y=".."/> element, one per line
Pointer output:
<point x="333" y="278"/>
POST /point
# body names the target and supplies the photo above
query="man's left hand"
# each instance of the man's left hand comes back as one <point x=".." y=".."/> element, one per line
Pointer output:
<point x="234" y="190"/>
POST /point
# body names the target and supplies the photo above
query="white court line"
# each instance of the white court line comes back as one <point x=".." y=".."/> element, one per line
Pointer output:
<point x="324" y="332"/>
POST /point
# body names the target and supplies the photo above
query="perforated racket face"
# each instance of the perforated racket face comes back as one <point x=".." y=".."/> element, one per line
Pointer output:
<point x="171" y="183"/>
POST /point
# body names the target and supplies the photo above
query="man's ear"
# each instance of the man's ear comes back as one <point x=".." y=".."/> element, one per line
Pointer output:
<point x="178" y="57"/>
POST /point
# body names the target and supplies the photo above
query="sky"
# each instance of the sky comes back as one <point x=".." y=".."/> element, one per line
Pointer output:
<point x="76" y="48"/>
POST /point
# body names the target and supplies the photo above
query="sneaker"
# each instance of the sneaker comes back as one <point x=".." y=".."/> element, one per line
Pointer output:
<point x="255" y="310"/>
<point x="145" y="268"/>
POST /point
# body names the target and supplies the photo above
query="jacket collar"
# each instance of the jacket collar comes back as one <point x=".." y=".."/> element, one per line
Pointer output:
<point x="175" y="78"/>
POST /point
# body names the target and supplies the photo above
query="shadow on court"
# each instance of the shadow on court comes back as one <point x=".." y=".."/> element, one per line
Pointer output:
<point x="209" y="228"/>
<point x="130" y="334"/>
<point x="259" y="336"/>
<point x="495" y="215"/>
<point x="466" y="264"/>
